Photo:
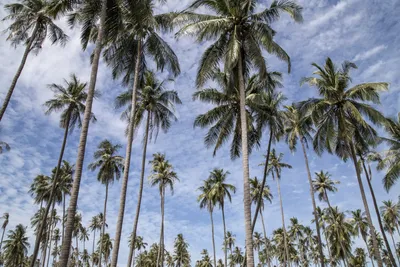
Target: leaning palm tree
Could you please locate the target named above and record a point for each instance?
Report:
(299, 128)
(110, 166)
(155, 105)
(219, 191)
(339, 116)
(241, 35)
(16, 246)
(324, 184)
(275, 167)
(360, 225)
(32, 24)
(5, 217)
(164, 176)
(390, 227)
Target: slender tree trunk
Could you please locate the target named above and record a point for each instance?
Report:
(312, 193)
(394, 245)
(223, 221)
(265, 236)
(327, 243)
(246, 174)
(55, 255)
(135, 224)
(369, 252)
(94, 241)
(19, 71)
(2, 236)
(213, 240)
(103, 227)
(287, 258)
(364, 199)
(378, 215)
(162, 228)
(259, 201)
(159, 246)
(48, 205)
(48, 233)
(52, 225)
(114, 257)
(63, 219)
(327, 201)
(66, 246)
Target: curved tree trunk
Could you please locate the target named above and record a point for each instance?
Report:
(213, 240)
(364, 199)
(265, 236)
(63, 219)
(124, 187)
(285, 238)
(394, 245)
(48, 206)
(103, 227)
(378, 215)
(48, 233)
(94, 241)
(135, 224)
(263, 182)
(245, 162)
(66, 245)
(223, 221)
(52, 225)
(312, 193)
(19, 71)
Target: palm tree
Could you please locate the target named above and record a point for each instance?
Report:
(258, 241)
(339, 119)
(158, 103)
(106, 243)
(360, 227)
(205, 260)
(56, 238)
(275, 167)
(219, 191)
(237, 256)
(65, 186)
(230, 241)
(390, 228)
(96, 224)
(241, 36)
(324, 184)
(181, 256)
(139, 244)
(16, 246)
(84, 236)
(391, 213)
(299, 127)
(32, 24)
(207, 201)
(6, 217)
(164, 176)
(110, 166)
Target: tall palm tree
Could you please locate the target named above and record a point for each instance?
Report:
(275, 167)
(65, 186)
(391, 213)
(339, 118)
(6, 218)
(106, 243)
(127, 54)
(96, 224)
(219, 191)
(324, 184)
(32, 24)
(208, 202)
(241, 35)
(138, 243)
(390, 227)
(164, 176)
(299, 128)
(230, 241)
(360, 227)
(181, 256)
(157, 104)
(16, 246)
(110, 166)
(56, 238)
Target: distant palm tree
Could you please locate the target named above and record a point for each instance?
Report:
(390, 227)
(4, 147)
(65, 186)
(181, 256)
(219, 191)
(106, 243)
(360, 225)
(16, 246)
(230, 241)
(164, 176)
(323, 184)
(5, 217)
(391, 213)
(96, 224)
(32, 24)
(56, 238)
(275, 166)
(340, 117)
(205, 260)
(138, 244)
(110, 166)
(84, 236)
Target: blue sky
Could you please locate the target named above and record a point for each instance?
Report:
(363, 31)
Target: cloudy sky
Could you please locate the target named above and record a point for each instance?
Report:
(363, 31)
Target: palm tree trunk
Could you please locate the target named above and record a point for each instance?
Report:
(369, 252)
(55, 255)
(364, 199)
(265, 235)
(114, 257)
(19, 71)
(259, 201)
(103, 227)
(223, 221)
(394, 245)
(162, 227)
(53, 188)
(2, 236)
(378, 215)
(135, 224)
(48, 233)
(245, 162)
(287, 258)
(213, 240)
(312, 193)
(66, 245)
(327, 243)
(327, 201)
(94, 241)
(159, 246)
(52, 225)
(63, 219)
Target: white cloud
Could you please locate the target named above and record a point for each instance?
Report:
(369, 53)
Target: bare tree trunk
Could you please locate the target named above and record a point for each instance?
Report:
(364, 199)
(135, 224)
(265, 236)
(124, 187)
(2, 236)
(160, 256)
(103, 227)
(312, 193)
(94, 241)
(63, 219)
(52, 225)
(48, 205)
(245, 162)
(48, 233)
(394, 245)
(213, 240)
(223, 221)
(378, 215)
(19, 71)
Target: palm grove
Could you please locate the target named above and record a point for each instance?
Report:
(246, 105)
